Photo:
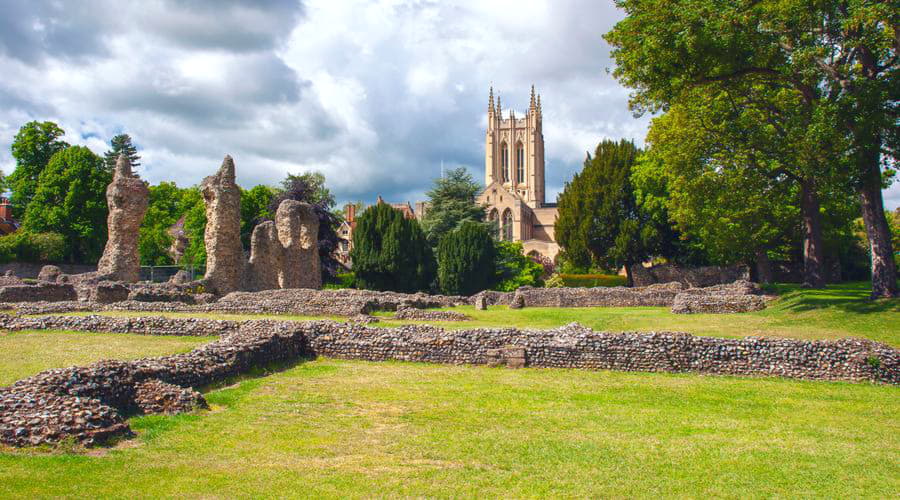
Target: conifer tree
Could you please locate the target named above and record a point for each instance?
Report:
(121, 144)
(390, 252)
(466, 260)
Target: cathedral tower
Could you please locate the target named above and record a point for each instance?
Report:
(514, 151)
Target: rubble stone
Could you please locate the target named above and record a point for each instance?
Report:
(224, 255)
(429, 315)
(284, 253)
(127, 197)
(49, 274)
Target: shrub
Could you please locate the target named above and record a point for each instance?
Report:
(341, 281)
(23, 246)
(466, 260)
(513, 269)
(554, 281)
(390, 252)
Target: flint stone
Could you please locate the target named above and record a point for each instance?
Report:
(224, 255)
(127, 197)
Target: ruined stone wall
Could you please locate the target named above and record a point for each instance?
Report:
(31, 270)
(49, 292)
(127, 198)
(285, 253)
(689, 276)
(224, 255)
(90, 403)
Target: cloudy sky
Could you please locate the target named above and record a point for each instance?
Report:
(374, 94)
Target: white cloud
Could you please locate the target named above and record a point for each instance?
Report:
(374, 94)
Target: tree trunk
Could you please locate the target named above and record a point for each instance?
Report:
(629, 278)
(884, 273)
(813, 248)
(764, 272)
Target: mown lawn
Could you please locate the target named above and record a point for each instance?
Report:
(836, 312)
(26, 353)
(329, 428)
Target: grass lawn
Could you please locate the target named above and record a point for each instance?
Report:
(360, 429)
(26, 353)
(838, 311)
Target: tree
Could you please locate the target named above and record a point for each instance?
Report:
(599, 219)
(255, 208)
(194, 227)
(839, 56)
(451, 202)
(167, 204)
(121, 144)
(390, 252)
(512, 268)
(32, 148)
(309, 187)
(71, 200)
(466, 260)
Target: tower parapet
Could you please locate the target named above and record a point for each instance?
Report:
(514, 150)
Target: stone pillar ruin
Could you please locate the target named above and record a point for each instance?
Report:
(127, 197)
(285, 253)
(224, 255)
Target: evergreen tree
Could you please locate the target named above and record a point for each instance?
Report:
(71, 200)
(390, 252)
(32, 148)
(121, 144)
(451, 202)
(599, 219)
(466, 260)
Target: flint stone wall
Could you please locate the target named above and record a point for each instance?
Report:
(426, 315)
(90, 403)
(224, 255)
(48, 292)
(127, 197)
(31, 270)
(697, 277)
(284, 253)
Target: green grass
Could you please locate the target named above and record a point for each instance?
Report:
(26, 353)
(331, 428)
(837, 312)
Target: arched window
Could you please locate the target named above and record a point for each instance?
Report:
(507, 225)
(504, 161)
(520, 163)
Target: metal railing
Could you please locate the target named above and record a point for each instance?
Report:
(159, 274)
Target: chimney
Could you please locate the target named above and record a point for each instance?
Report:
(5, 209)
(350, 212)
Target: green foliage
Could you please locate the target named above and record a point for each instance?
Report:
(23, 246)
(71, 200)
(121, 144)
(194, 228)
(599, 219)
(451, 203)
(466, 260)
(308, 187)
(592, 280)
(390, 252)
(554, 281)
(32, 148)
(513, 269)
(255, 209)
(167, 204)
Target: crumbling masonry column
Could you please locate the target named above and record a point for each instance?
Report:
(224, 257)
(285, 253)
(127, 198)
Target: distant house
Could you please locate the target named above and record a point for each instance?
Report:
(7, 223)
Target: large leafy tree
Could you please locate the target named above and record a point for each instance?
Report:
(451, 202)
(32, 148)
(390, 252)
(71, 200)
(121, 144)
(839, 56)
(168, 203)
(255, 208)
(599, 219)
(466, 260)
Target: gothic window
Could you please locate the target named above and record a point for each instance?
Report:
(504, 161)
(520, 163)
(507, 225)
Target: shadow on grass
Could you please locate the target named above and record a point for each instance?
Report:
(846, 297)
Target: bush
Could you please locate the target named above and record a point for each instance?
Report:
(554, 281)
(466, 260)
(513, 269)
(592, 280)
(390, 252)
(341, 281)
(23, 246)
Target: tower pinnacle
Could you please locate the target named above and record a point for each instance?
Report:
(491, 101)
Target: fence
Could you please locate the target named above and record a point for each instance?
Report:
(159, 274)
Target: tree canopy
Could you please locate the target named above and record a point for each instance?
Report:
(121, 144)
(466, 260)
(71, 200)
(451, 202)
(32, 148)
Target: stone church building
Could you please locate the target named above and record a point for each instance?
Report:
(514, 178)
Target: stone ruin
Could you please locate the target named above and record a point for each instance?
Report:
(224, 254)
(127, 197)
(284, 253)
(91, 403)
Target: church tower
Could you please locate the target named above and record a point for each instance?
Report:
(514, 150)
